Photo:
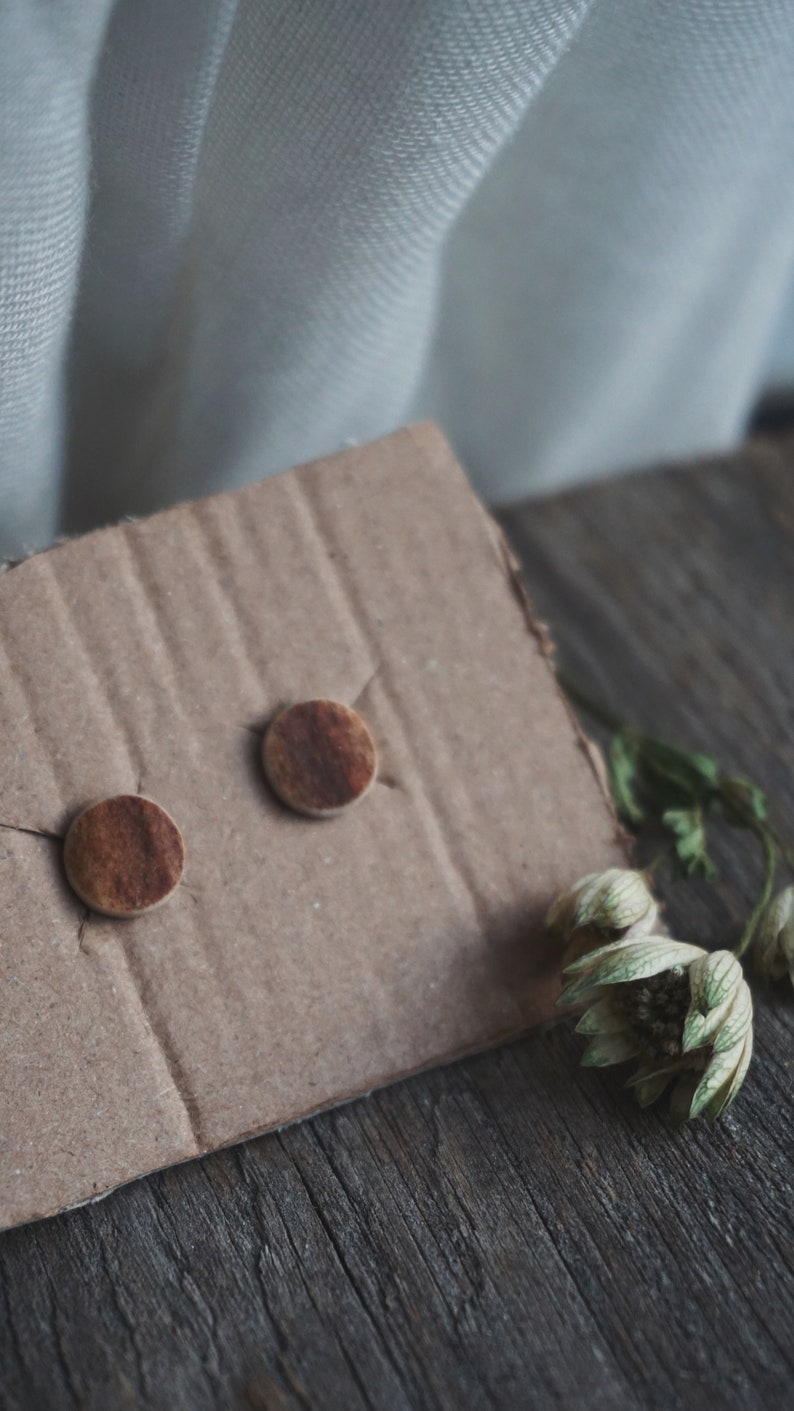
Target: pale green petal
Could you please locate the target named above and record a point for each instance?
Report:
(603, 1017)
(718, 1074)
(580, 943)
(723, 1100)
(640, 959)
(681, 1099)
(698, 1029)
(614, 901)
(775, 968)
(589, 961)
(657, 952)
(774, 942)
(787, 940)
(579, 992)
(560, 914)
(625, 960)
(650, 1081)
(649, 1089)
(771, 964)
(622, 899)
(586, 894)
(609, 1048)
(697, 984)
(650, 1069)
(647, 925)
(778, 911)
(714, 979)
(720, 1078)
(738, 1020)
(717, 985)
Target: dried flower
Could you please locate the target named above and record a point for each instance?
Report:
(609, 903)
(774, 942)
(685, 1014)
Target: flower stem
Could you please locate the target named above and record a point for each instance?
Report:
(653, 781)
(769, 846)
(785, 851)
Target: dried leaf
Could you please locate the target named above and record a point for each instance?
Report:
(624, 778)
(674, 777)
(743, 803)
(688, 827)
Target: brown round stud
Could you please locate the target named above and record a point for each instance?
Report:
(124, 855)
(319, 757)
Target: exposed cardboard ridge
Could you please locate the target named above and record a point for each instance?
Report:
(332, 567)
(223, 601)
(164, 1054)
(428, 802)
(145, 608)
(162, 1042)
(96, 689)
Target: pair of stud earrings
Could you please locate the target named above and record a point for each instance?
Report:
(125, 855)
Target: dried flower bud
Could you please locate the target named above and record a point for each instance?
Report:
(685, 1014)
(720, 1024)
(608, 905)
(774, 942)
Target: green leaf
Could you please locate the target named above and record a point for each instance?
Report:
(623, 777)
(674, 777)
(688, 829)
(743, 803)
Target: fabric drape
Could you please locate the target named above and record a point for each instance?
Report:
(236, 234)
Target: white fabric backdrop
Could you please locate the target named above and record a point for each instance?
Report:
(238, 233)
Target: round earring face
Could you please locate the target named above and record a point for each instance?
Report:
(319, 757)
(124, 855)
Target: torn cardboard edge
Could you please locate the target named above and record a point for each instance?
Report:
(303, 963)
(542, 634)
(345, 1100)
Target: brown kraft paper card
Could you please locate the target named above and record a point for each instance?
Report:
(299, 962)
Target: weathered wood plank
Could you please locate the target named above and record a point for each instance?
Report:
(509, 1232)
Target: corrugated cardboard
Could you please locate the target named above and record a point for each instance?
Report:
(300, 962)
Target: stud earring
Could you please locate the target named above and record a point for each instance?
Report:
(319, 757)
(124, 855)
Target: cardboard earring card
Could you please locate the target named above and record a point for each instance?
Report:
(300, 961)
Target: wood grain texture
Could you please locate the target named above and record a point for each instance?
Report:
(509, 1232)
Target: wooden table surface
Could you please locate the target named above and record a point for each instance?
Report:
(509, 1232)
